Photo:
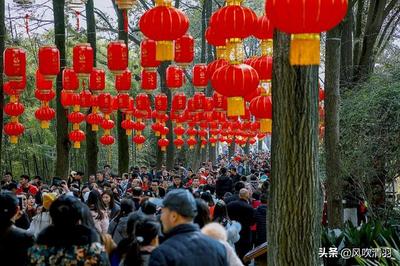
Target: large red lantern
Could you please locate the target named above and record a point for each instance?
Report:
(200, 78)
(148, 55)
(215, 39)
(97, 81)
(14, 130)
(306, 20)
(45, 115)
(235, 82)
(83, 59)
(214, 65)
(77, 136)
(164, 24)
(49, 61)
(265, 32)
(149, 80)
(123, 81)
(261, 108)
(117, 57)
(105, 102)
(14, 63)
(174, 77)
(184, 50)
(70, 79)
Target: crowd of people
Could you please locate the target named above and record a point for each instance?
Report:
(212, 216)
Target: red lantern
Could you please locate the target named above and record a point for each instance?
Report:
(97, 81)
(123, 81)
(45, 115)
(105, 102)
(49, 61)
(123, 102)
(66, 98)
(107, 124)
(149, 80)
(46, 96)
(200, 78)
(254, 94)
(128, 125)
(178, 102)
(107, 140)
(164, 24)
(305, 20)
(117, 57)
(142, 102)
(174, 77)
(220, 102)
(42, 83)
(77, 136)
(139, 140)
(235, 82)
(265, 32)
(179, 131)
(14, 63)
(215, 39)
(214, 65)
(208, 104)
(9, 90)
(261, 108)
(75, 118)
(198, 100)
(191, 143)
(139, 127)
(161, 102)
(85, 99)
(164, 131)
(70, 79)
(18, 85)
(95, 120)
(163, 144)
(321, 94)
(184, 50)
(14, 130)
(179, 143)
(14, 109)
(83, 59)
(263, 66)
(148, 55)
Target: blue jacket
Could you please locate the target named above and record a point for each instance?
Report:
(185, 245)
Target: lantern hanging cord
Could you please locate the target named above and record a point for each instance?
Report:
(27, 23)
(125, 15)
(77, 13)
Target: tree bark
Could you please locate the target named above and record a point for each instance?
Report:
(346, 53)
(295, 207)
(2, 45)
(123, 145)
(332, 99)
(63, 144)
(92, 149)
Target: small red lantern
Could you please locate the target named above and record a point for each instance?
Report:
(321, 94)
(105, 102)
(139, 140)
(107, 140)
(18, 85)
(45, 115)
(14, 109)
(178, 102)
(163, 144)
(42, 83)
(77, 136)
(148, 55)
(123, 101)
(95, 120)
(142, 102)
(149, 80)
(97, 81)
(49, 61)
(179, 143)
(261, 108)
(14, 63)
(46, 96)
(70, 79)
(128, 125)
(161, 102)
(123, 81)
(117, 57)
(85, 100)
(164, 24)
(220, 102)
(184, 50)
(200, 78)
(75, 118)
(14, 130)
(83, 59)
(191, 143)
(174, 77)
(198, 100)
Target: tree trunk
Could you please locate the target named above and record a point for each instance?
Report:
(92, 149)
(346, 54)
(332, 99)
(63, 144)
(123, 145)
(2, 45)
(294, 206)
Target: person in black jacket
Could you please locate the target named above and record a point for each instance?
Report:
(261, 220)
(241, 211)
(224, 183)
(184, 244)
(14, 242)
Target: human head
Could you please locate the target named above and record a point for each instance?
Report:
(8, 177)
(92, 179)
(196, 182)
(177, 180)
(244, 194)
(8, 208)
(79, 175)
(207, 197)
(154, 184)
(66, 211)
(264, 198)
(179, 207)
(220, 211)
(108, 198)
(222, 171)
(127, 206)
(203, 213)
(233, 171)
(100, 176)
(24, 180)
(239, 185)
(137, 192)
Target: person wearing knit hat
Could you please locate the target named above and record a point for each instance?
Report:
(43, 219)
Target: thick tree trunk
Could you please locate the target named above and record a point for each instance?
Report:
(346, 53)
(294, 206)
(92, 148)
(2, 45)
(123, 145)
(332, 99)
(63, 144)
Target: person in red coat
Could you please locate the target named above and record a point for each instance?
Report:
(26, 187)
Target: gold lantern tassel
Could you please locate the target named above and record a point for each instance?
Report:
(139, 146)
(77, 145)
(267, 47)
(265, 125)
(165, 50)
(235, 106)
(13, 139)
(221, 52)
(44, 124)
(304, 49)
(95, 127)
